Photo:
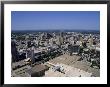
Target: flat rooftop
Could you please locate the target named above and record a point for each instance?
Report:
(72, 61)
(65, 59)
(69, 72)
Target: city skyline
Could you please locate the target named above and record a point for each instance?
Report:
(55, 20)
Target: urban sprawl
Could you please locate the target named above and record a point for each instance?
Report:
(55, 54)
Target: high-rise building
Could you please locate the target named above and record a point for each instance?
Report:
(51, 41)
(90, 40)
(14, 52)
(32, 56)
(81, 39)
(61, 39)
(37, 41)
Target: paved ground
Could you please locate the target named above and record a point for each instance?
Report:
(73, 62)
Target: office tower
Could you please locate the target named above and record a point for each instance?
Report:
(32, 56)
(81, 39)
(51, 41)
(26, 38)
(61, 34)
(84, 44)
(37, 41)
(14, 52)
(61, 39)
(73, 49)
(28, 44)
(42, 37)
(90, 41)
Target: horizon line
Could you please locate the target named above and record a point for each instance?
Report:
(54, 29)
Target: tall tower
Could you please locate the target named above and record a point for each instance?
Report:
(90, 40)
(37, 41)
(32, 55)
(61, 38)
(14, 52)
(51, 41)
(81, 40)
(26, 38)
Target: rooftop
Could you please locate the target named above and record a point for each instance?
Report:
(72, 62)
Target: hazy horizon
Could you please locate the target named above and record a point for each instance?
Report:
(57, 30)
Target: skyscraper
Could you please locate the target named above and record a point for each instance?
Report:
(14, 52)
(61, 39)
(90, 40)
(32, 56)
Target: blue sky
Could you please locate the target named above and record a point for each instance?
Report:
(41, 20)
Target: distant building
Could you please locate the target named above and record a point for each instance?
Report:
(81, 39)
(51, 41)
(84, 44)
(48, 36)
(90, 40)
(60, 40)
(37, 41)
(73, 49)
